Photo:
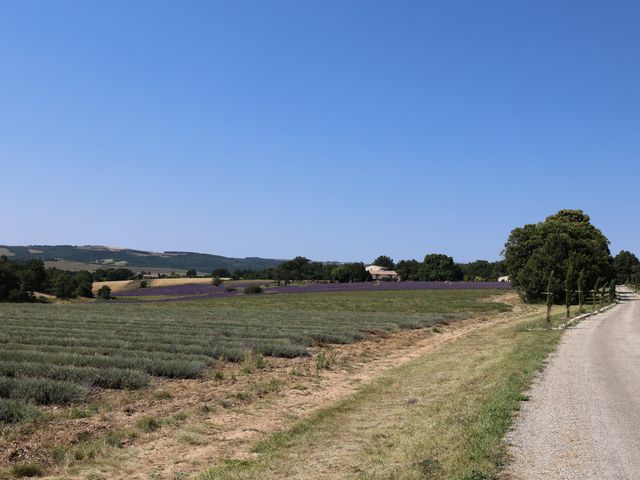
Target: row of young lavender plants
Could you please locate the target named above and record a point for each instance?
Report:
(199, 292)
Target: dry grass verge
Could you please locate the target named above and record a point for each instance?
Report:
(440, 416)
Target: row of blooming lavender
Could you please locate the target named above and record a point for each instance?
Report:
(188, 289)
(198, 292)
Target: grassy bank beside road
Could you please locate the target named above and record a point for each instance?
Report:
(441, 416)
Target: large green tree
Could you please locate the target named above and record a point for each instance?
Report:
(481, 270)
(9, 280)
(384, 261)
(439, 267)
(568, 237)
(350, 272)
(408, 269)
(626, 265)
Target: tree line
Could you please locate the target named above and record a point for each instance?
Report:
(434, 267)
(564, 259)
(20, 280)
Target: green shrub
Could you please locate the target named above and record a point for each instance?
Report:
(115, 438)
(322, 363)
(248, 364)
(12, 411)
(41, 390)
(23, 470)
(104, 292)
(148, 424)
(106, 378)
(253, 290)
(476, 475)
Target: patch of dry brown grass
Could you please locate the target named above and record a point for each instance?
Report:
(116, 285)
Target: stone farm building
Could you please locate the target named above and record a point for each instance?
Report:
(381, 273)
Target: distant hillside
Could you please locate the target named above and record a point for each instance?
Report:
(74, 257)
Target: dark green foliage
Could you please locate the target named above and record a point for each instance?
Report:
(300, 268)
(612, 291)
(439, 267)
(191, 274)
(32, 276)
(582, 285)
(104, 292)
(549, 294)
(626, 265)
(64, 287)
(350, 272)
(482, 270)
(476, 475)
(253, 290)
(148, 424)
(113, 274)
(534, 250)
(84, 284)
(221, 272)
(18, 281)
(9, 280)
(596, 291)
(216, 282)
(384, 261)
(568, 288)
(26, 470)
(408, 269)
(436, 267)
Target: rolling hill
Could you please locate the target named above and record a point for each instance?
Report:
(91, 257)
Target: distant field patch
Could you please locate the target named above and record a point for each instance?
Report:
(199, 291)
(116, 285)
(35, 251)
(91, 267)
(53, 354)
(170, 282)
(6, 252)
(161, 285)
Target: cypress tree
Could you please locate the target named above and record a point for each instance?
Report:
(595, 293)
(568, 289)
(612, 291)
(549, 293)
(581, 286)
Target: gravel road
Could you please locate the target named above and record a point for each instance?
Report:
(583, 417)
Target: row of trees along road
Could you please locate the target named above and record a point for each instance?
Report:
(564, 255)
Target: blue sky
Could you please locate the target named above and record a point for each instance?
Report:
(338, 130)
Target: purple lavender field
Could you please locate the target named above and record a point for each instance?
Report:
(199, 292)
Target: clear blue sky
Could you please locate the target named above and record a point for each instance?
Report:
(338, 130)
